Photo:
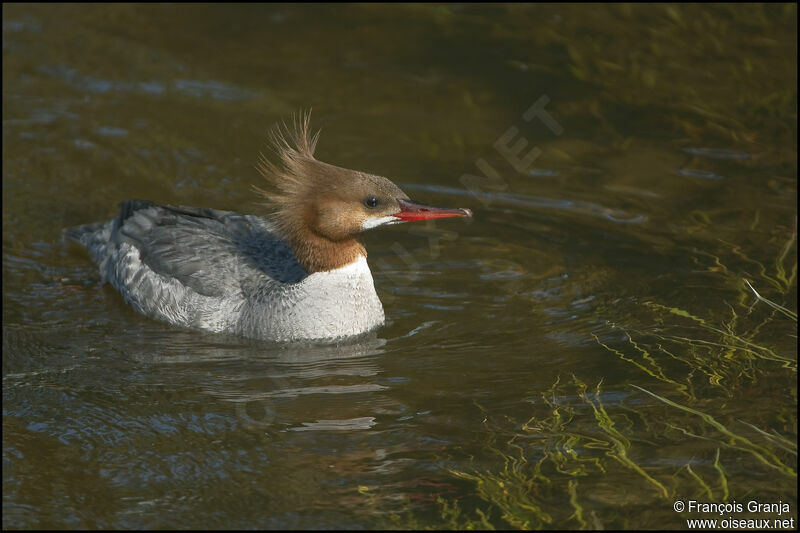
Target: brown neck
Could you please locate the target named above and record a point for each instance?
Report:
(319, 254)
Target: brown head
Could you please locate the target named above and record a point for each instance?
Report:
(320, 209)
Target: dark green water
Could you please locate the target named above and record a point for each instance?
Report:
(582, 354)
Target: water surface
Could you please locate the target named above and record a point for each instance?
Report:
(581, 354)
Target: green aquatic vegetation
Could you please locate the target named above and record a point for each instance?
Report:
(451, 517)
(673, 425)
(730, 341)
(554, 468)
(723, 480)
(733, 440)
(455, 519)
(776, 439)
(619, 443)
(782, 309)
(644, 361)
(732, 344)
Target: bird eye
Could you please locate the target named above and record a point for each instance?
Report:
(371, 202)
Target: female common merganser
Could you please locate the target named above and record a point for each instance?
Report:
(300, 274)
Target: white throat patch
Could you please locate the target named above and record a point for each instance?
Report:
(374, 222)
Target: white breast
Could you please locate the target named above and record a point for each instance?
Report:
(336, 303)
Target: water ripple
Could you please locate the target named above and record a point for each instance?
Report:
(214, 90)
(716, 153)
(543, 172)
(364, 422)
(698, 173)
(536, 202)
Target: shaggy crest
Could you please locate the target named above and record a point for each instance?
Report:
(300, 186)
(294, 145)
(321, 209)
